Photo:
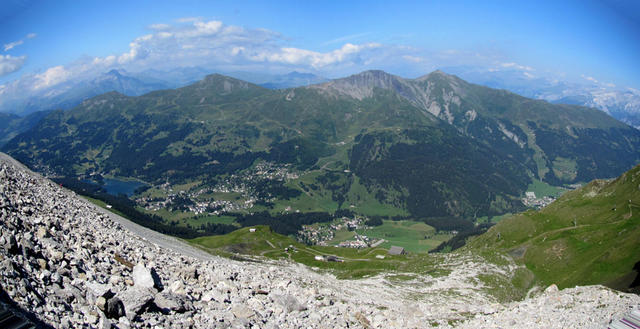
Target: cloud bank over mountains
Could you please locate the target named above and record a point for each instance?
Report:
(213, 46)
(194, 42)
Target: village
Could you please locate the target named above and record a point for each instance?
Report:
(323, 233)
(530, 200)
(201, 200)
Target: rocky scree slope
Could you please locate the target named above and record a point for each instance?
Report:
(74, 266)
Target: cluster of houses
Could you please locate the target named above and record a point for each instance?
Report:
(530, 200)
(321, 234)
(241, 184)
(213, 207)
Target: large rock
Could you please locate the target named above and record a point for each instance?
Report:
(168, 301)
(9, 243)
(135, 300)
(95, 290)
(242, 312)
(288, 302)
(146, 278)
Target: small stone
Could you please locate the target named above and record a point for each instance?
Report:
(101, 303)
(124, 323)
(212, 294)
(10, 243)
(99, 290)
(551, 289)
(42, 263)
(41, 233)
(114, 309)
(91, 318)
(177, 287)
(242, 312)
(114, 280)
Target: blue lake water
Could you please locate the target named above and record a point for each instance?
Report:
(115, 186)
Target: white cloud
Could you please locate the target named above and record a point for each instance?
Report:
(198, 42)
(314, 59)
(159, 27)
(10, 64)
(414, 59)
(188, 19)
(50, 77)
(588, 78)
(516, 66)
(212, 45)
(345, 38)
(11, 45)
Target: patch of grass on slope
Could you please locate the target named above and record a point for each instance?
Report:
(413, 236)
(588, 236)
(357, 262)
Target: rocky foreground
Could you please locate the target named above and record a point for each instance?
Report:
(73, 265)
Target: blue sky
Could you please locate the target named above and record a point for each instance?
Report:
(43, 43)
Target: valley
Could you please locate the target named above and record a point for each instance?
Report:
(339, 164)
(362, 288)
(223, 153)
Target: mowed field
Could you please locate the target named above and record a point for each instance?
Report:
(413, 236)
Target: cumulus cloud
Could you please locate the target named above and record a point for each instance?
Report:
(314, 59)
(193, 41)
(216, 46)
(50, 77)
(10, 64)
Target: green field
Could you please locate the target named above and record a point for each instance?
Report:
(340, 236)
(197, 221)
(357, 262)
(413, 236)
(543, 189)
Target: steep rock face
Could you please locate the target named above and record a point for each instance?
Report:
(75, 266)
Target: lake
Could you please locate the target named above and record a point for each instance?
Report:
(116, 186)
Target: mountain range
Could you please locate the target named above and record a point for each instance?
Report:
(433, 146)
(72, 92)
(621, 103)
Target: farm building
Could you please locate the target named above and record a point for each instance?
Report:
(395, 250)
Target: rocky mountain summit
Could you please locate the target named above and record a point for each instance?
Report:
(74, 265)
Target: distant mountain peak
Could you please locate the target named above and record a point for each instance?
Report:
(361, 85)
(222, 84)
(115, 72)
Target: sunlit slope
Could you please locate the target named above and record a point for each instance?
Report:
(588, 236)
